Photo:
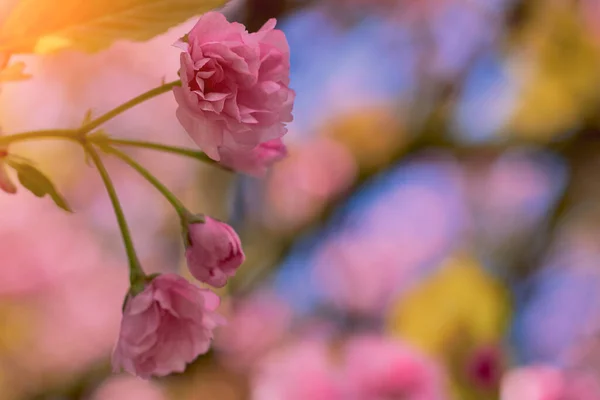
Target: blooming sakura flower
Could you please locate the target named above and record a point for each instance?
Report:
(214, 252)
(254, 162)
(234, 85)
(165, 327)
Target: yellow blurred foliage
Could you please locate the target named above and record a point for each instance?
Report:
(50, 44)
(372, 135)
(562, 76)
(45, 26)
(460, 299)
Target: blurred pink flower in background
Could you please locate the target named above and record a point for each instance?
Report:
(165, 327)
(416, 218)
(361, 368)
(54, 265)
(214, 252)
(300, 371)
(508, 193)
(366, 267)
(257, 161)
(128, 388)
(234, 90)
(378, 369)
(590, 12)
(254, 326)
(75, 322)
(42, 245)
(360, 274)
(301, 184)
(549, 383)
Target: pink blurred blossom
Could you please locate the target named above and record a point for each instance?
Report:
(379, 369)
(418, 218)
(165, 327)
(254, 326)
(234, 90)
(590, 12)
(214, 252)
(257, 161)
(73, 325)
(128, 388)
(298, 372)
(301, 184)
(360, 275)
(41, 245)
(548, 383)
(507, 194)
(364, 270)
(361, 368)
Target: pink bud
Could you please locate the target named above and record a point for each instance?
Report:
(165, 327)
(214, 252)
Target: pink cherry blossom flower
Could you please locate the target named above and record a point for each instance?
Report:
(234, 85)
(214, 252)
(380, 368)
(257, 161)
(543, 382)
(165, 327)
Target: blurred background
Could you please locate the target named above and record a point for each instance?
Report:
(436, 224)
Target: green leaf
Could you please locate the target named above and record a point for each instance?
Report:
(37, 183)
(14, 72)
(45, 26)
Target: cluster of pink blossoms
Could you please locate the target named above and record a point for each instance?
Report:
(234, 101)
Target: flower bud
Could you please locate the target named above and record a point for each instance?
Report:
(214, 252)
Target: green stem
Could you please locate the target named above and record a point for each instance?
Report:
(65, 134)
(78, 134)
(136, 274)
(182, 211)
(126, 106)
(196, 154)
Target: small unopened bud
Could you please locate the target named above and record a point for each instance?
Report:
(214, 251)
